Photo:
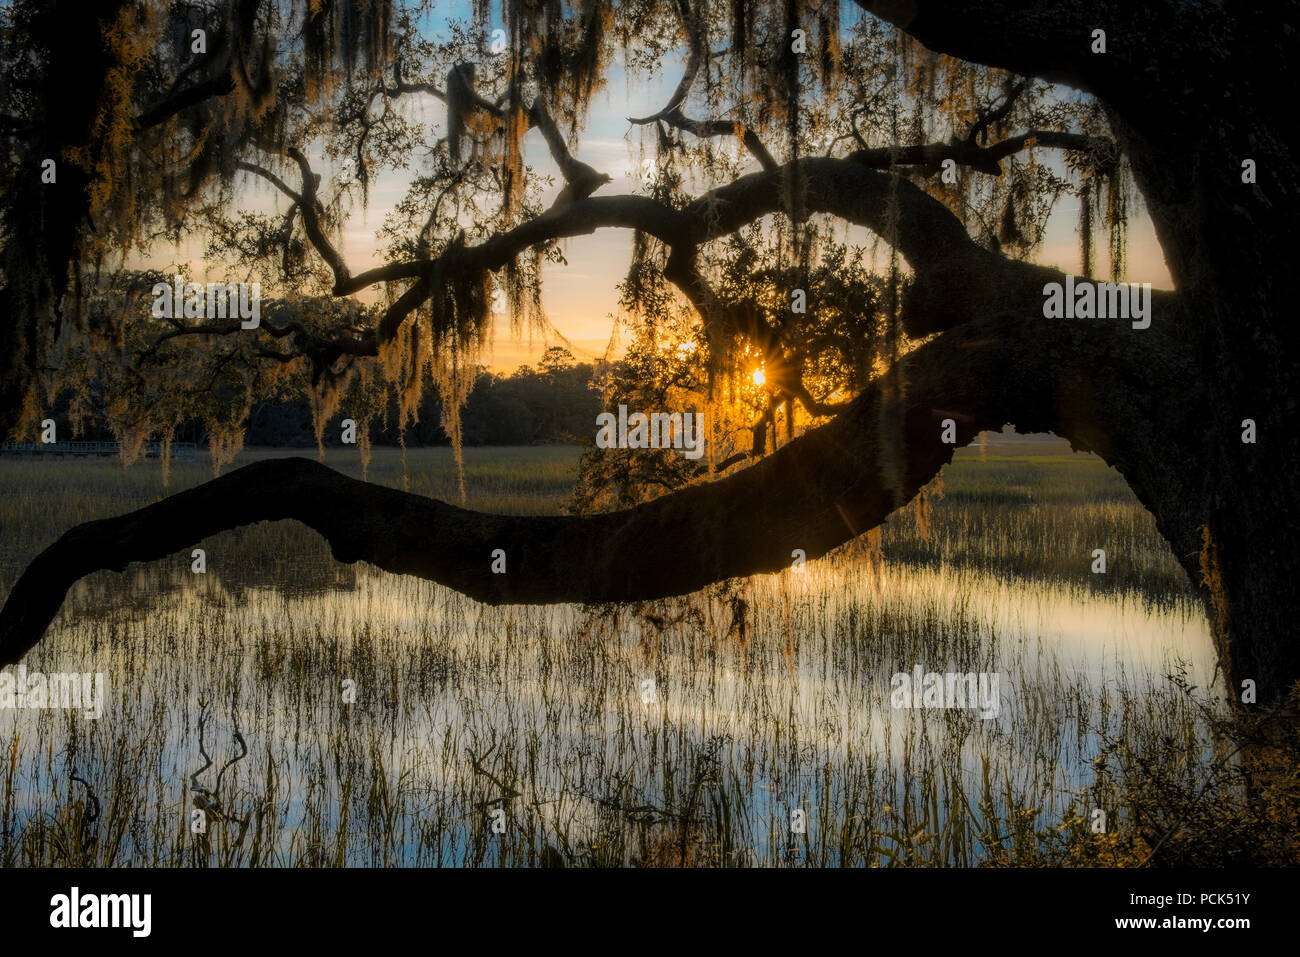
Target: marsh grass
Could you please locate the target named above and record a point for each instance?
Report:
(771, 694)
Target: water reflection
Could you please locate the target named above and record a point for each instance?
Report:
(465, 709)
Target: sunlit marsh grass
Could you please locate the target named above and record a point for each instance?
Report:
(769, 696)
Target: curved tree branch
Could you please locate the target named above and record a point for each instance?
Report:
(709, 128)
(955, 279)
(1084, 380)
(310, 209)
(697, 38)
(1050, 39)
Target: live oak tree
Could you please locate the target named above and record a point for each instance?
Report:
(894, 162)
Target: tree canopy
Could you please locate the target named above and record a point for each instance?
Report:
(837, 223)
(201, 101)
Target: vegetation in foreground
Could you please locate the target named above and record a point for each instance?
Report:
(767, 699)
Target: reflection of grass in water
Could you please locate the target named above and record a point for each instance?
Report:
(1032, 511)
(462, 710)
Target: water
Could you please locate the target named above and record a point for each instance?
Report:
(458, 706)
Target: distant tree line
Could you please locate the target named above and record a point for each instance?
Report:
(552, 402)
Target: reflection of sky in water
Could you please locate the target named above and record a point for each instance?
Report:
(1081, 629)
(441, 675)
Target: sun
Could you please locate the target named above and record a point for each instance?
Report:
(759, 376)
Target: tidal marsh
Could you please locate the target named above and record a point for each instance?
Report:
(682, 732)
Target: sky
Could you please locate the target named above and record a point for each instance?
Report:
(581, 298)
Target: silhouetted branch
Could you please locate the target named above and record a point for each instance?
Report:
(710, 128)
(697, 40)
(983, 159)
(979, 129)
(1086, 381)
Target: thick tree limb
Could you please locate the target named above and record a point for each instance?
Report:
(1085, 380)
(309, 207)
(1050, 39)
(955, 279)
(1187, 89)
